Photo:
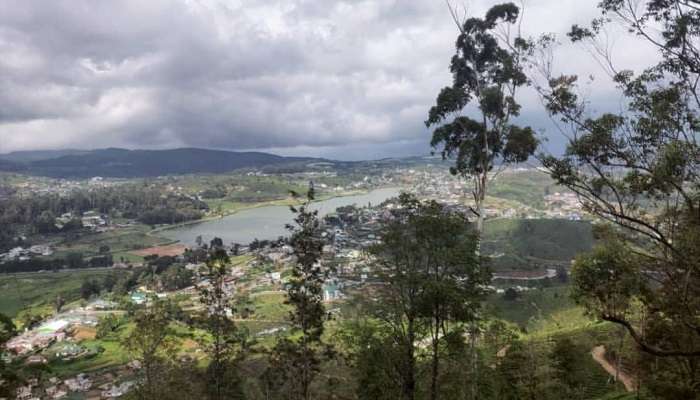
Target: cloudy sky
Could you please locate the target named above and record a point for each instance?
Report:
(348, 79)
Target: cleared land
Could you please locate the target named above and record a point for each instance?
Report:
(161, 251)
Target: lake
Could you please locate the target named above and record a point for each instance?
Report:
(266, 222)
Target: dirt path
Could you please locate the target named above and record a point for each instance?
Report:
(598, 354)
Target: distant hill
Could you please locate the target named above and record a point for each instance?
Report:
(122, 163)
(36, 155)
(11, 166)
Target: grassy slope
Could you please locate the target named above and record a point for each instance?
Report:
(527, 187)
(549, 314)
(35, 289)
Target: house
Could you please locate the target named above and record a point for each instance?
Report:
(91, 219)
(36, 359)
(78, 384)
(101, 305)
(39, 249)
(118, 390)
(24, 392)
(275, 277)
(55, 392)
(138, 298)
(331, 291)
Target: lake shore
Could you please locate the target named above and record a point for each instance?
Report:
(289, 201)
(265, 220)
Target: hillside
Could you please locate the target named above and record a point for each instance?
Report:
(122, 163)
(533, 243)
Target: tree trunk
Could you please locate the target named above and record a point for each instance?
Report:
(409, 381)
(435, 363)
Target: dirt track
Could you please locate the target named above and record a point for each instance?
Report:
(598, 354)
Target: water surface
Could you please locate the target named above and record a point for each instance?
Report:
(265, 222)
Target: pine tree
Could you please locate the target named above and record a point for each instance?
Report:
(226, 343)
(295, 360)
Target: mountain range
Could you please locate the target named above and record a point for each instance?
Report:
(123, 163)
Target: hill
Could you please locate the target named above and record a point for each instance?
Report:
(122, 163)
(36, 155)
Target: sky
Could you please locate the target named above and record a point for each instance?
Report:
(348, 80)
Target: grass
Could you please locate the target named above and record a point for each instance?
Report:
(531, 307)
(120, 242)
(112, 355)
(36, 289)
(270, 307)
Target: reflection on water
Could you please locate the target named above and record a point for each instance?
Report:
(266, 222)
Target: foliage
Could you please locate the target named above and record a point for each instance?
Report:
(227, 342)
(89, 288)
(8, 378)
(486, 72)
(434, 284)
(153, 345)
(295, 361)
(638, 169)
(108, 325)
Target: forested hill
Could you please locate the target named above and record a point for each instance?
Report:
(122, 163)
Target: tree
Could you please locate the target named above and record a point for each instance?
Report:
(227, 343)
(8, 379)
(89, 288)
(373, 357)
(176, 277)
(486, 72)
(152, 344)
(511, 294)
(107, 325)
(434, 283)
(46, 222)
(295, 360)
(58, 303)
(109, 281)
(638, 170)
(75, 260)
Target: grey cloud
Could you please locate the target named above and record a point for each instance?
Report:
(295, 75)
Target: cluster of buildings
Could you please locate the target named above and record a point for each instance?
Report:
(89, 219)
(94, 387)
(56, 329)
(32, 186)
(563, 205)
(23, 254)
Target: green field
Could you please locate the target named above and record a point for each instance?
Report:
(526, 187)
(37, 289)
